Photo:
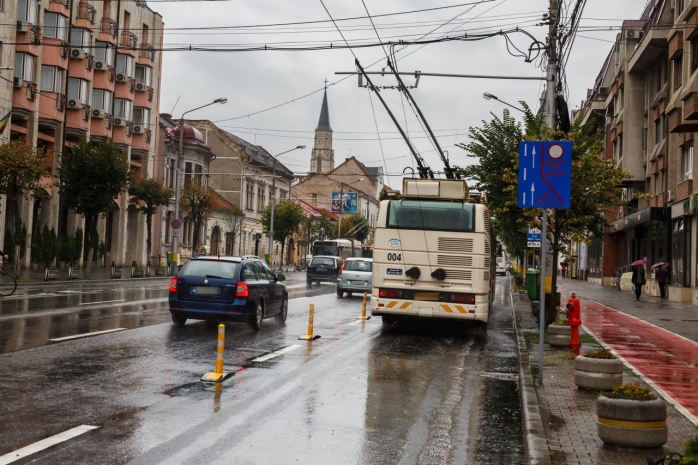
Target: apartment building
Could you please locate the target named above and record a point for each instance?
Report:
(646, 102)
(83, 69)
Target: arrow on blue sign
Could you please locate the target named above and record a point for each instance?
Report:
(545, 174)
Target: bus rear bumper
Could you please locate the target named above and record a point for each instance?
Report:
(477, 312)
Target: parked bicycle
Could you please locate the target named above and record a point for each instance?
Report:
(8, 283)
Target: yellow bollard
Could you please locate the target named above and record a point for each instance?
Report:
(309, 336)
(218, 375)
(363, 311)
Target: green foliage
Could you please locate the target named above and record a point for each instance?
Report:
(288, 216)
(70, 247)
(355, 226)
(318, 229)
(45, 245)
(101, 251)
(146, 196)
(560, 323)
(91, 175)
(21, 239)
(690, 451)
(199, 203)
(631, 391)
(603, 353)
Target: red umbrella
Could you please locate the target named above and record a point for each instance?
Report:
(659, 265)
(639, 262)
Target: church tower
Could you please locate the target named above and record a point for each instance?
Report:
(322, 157)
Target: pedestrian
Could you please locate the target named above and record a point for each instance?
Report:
(662, 276)
(638, 280)
(563, 268)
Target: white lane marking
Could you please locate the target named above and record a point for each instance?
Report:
(355, 322)
(264, 358)
(103, 302)
(45, 444)
(77, 336)
(298, 298)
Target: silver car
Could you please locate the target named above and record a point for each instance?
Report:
(355, 275)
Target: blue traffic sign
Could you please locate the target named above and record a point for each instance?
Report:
(545, 174)
(534, 235)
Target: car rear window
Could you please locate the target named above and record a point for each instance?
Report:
(210, 269)
(358, 265)
(322, 261)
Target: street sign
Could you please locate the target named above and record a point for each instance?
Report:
(174, 233)
(545, 173)
(176, 223)
(533, 244)
(534, 234)
(349, 202)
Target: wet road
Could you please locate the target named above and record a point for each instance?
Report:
(364, 393)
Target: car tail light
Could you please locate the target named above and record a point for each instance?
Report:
(242, 290)
(173, 285)
(388, 293)
(464, 298)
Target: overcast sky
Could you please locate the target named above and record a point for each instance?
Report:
(254, 81)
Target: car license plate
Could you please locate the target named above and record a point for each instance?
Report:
(322, 270)
(357, 283)
(205, 290)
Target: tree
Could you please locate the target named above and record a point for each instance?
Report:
(355, 226)
(92, 174)
(22, 167)
(316, 229)
(233, 222)
(147, 195)
(200, 203)
(595, 185)
(288, 216)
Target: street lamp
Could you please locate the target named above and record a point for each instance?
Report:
(180, 157)
(488, 96)
(341, 206)
(273, 199)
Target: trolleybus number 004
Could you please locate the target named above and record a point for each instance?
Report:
(395, 257)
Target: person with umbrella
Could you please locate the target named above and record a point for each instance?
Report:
(638, 278)
(662, 276)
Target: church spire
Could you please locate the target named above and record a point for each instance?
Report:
(324, 123)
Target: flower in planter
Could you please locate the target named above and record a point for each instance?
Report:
(631, 391)
(603, 353)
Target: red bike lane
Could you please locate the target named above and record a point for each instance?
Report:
(666, 360)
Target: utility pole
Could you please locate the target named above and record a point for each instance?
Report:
(551, 108)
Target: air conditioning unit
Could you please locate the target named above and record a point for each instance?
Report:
(141, 87)
(77, 53)
(630, 33)
(138, 129)
(22, 26)
(18, 82)
(98, 113)
(670, 195)
(119, 122)
(100, 66)
(604, 90)
(74, 104)
(121, 77)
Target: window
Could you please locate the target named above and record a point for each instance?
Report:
(318, 165)
(122, 108)
(249, 195)
(187, 172)
(680, 251)
(283, 194)
(221, 269)
(52, 79)
(124, 64)
(27, 11)
(101, 99)
(55, 26)
(104, 52)
(678, 72)
(24, 66)
(77, 90)
(144, 74)
(658, 130)
(198, 174)
(141, 115)
(687, 162)
(171, 173)
(81, 38)
(261, 197)
(429, 214)
(261, 272)
(248, 273)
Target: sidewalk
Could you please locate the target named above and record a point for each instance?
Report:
(560, 420)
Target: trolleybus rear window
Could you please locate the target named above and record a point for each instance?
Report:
(431, 215)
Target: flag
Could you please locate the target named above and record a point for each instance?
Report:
(5, 121)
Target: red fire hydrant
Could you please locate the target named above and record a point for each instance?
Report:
(574, 320)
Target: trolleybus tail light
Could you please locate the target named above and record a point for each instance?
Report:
(242, 290)
(464, 298)
(388, 293)
(173, 285)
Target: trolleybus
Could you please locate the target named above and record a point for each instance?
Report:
(433, 253)
(344, 248)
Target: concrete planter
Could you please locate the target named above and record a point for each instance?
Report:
(558, 336)
(632, 423)
(598, 374)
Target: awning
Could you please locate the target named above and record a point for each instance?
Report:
(642, 216)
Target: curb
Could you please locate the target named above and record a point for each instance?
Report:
(535, 442)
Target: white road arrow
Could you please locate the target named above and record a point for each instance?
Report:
(533, 190)
(534, 157)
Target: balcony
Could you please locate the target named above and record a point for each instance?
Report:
(148, 52)
(685, 138)
(86, 11)
(676, 45)
(618, 83)
(65, 3)
(676, 123)
(108, 26)
(658, 164)
(692, 25)
(129, 39)
(690, 106)
(684, 189)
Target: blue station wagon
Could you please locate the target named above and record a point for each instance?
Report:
(227, 289)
